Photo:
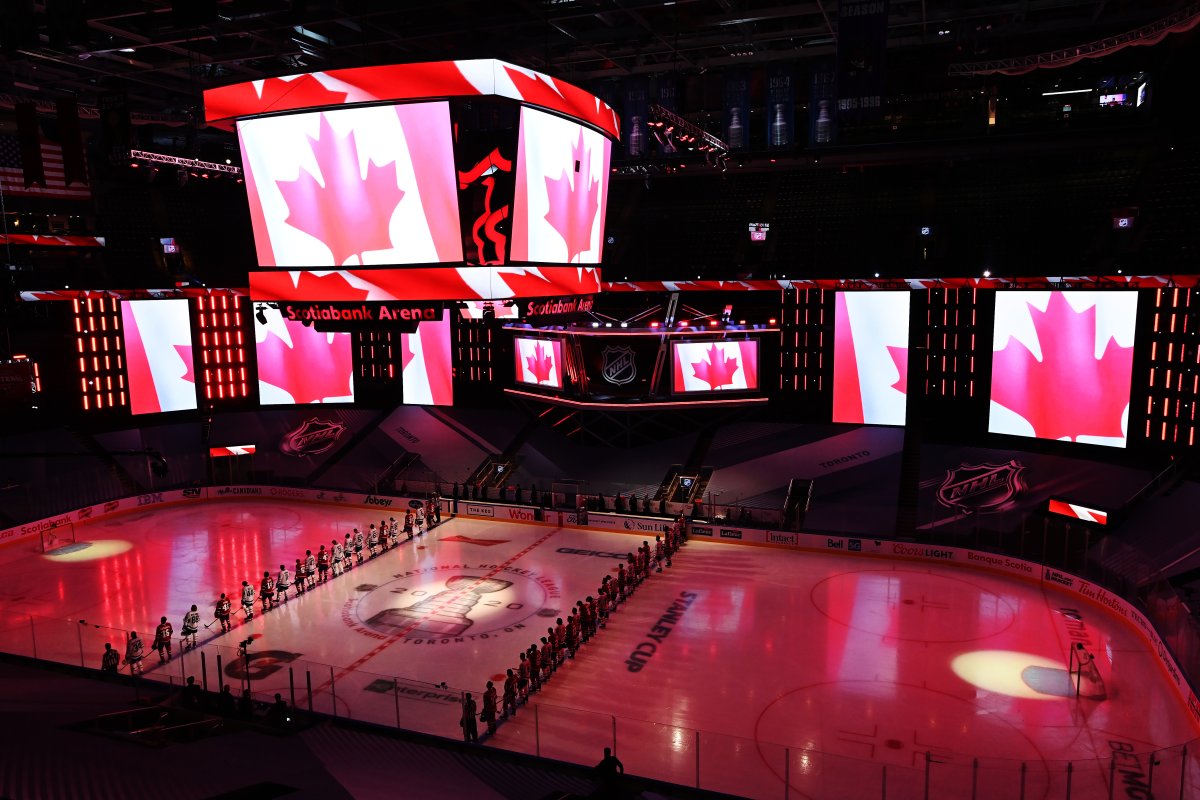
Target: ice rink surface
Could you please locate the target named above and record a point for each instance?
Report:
(745, 666)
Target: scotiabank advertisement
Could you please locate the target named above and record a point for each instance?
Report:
(353, 186)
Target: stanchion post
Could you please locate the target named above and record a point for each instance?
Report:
(79, 633)
(787, 773)
(697, 759)
(974, 778)
(1182, 771)
(883, 788)
(292, 685)
(396, 694)
(333, 690)
(308, 688)
(1070, 772)
(614, 727)
(1150, 773)
(537, 733)
(1024, 766)
(928, 761)
(204, 671)
(220, 674)
(33, 635)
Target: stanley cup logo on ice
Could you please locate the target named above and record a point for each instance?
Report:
(444, 614)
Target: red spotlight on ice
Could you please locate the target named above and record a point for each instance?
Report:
(653, 324)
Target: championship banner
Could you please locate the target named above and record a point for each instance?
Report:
(781, 106)
(822, 114)
(636, 116)
(666, 92)
(737, 109)
(861, 46)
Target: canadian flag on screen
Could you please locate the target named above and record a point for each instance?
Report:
(715, 366)
(158, 345)
(538, 362)
(355, 186)
(870, 357)
(426, 374)
(562, 184)
(298, 364)
(1061, 365)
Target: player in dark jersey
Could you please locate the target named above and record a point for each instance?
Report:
(266, 591)
(162, 640)
(222, 612)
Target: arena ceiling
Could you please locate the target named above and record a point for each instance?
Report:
(163, 54)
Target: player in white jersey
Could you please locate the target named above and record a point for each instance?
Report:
(336, 548)
(419, 520)
(394, 532)
(283, 582)
(359, 540)
(191, 626)
(373, 540)
(134, 652)
(310, 569)
(348, 548)
(248, 599)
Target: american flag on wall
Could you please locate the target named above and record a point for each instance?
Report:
(12, 178)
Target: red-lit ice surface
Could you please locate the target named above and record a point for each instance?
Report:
(737, 668)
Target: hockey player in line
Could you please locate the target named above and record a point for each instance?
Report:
(419, 522)
(383, 535)
(283, 582)
(348, 557)
(222, 613)
(162, 640)
(300, 583)
(336, 549)
(359, 540)
(394, 532)
(266, 591)
(111, 660)
(191, 626)
(322, 565)
(373, 540)
(134, 653)
(310, 569)
(409, 523)
(248, 599)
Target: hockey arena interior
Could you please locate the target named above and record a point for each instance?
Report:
(599, 398)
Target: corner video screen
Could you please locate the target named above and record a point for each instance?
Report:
(158, 352)
(714, 366)
(562, 188)
(426, 375)
(298, 365)
(353, 186)
(1062, 364)
(539, 362)
(870, 357)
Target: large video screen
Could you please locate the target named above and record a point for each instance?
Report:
(539, 362)
(562, 187)
(158, 352)
(298, 365)
(870, 357)
(1061, 365)
(715, 366)
(427, 376)
(353, 187)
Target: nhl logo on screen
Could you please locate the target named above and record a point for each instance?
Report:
(314, 436)
(981, 487)
(619, 366)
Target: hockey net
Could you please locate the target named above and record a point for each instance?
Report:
(56, 537)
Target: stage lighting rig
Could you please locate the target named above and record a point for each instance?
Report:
(677, 135)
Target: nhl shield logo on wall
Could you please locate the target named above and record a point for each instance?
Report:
(619, 366)
(313, 437)
(981, 487)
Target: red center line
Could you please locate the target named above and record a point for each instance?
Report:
(354, 665)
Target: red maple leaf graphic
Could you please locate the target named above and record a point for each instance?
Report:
(330, 286)
(900, 359)
(717, 370)
(185, 352)
(573, 206)
(1069, 392)
(243, 99)
(350, 214)
(540, 364)
(406, 353)
(312, 368)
